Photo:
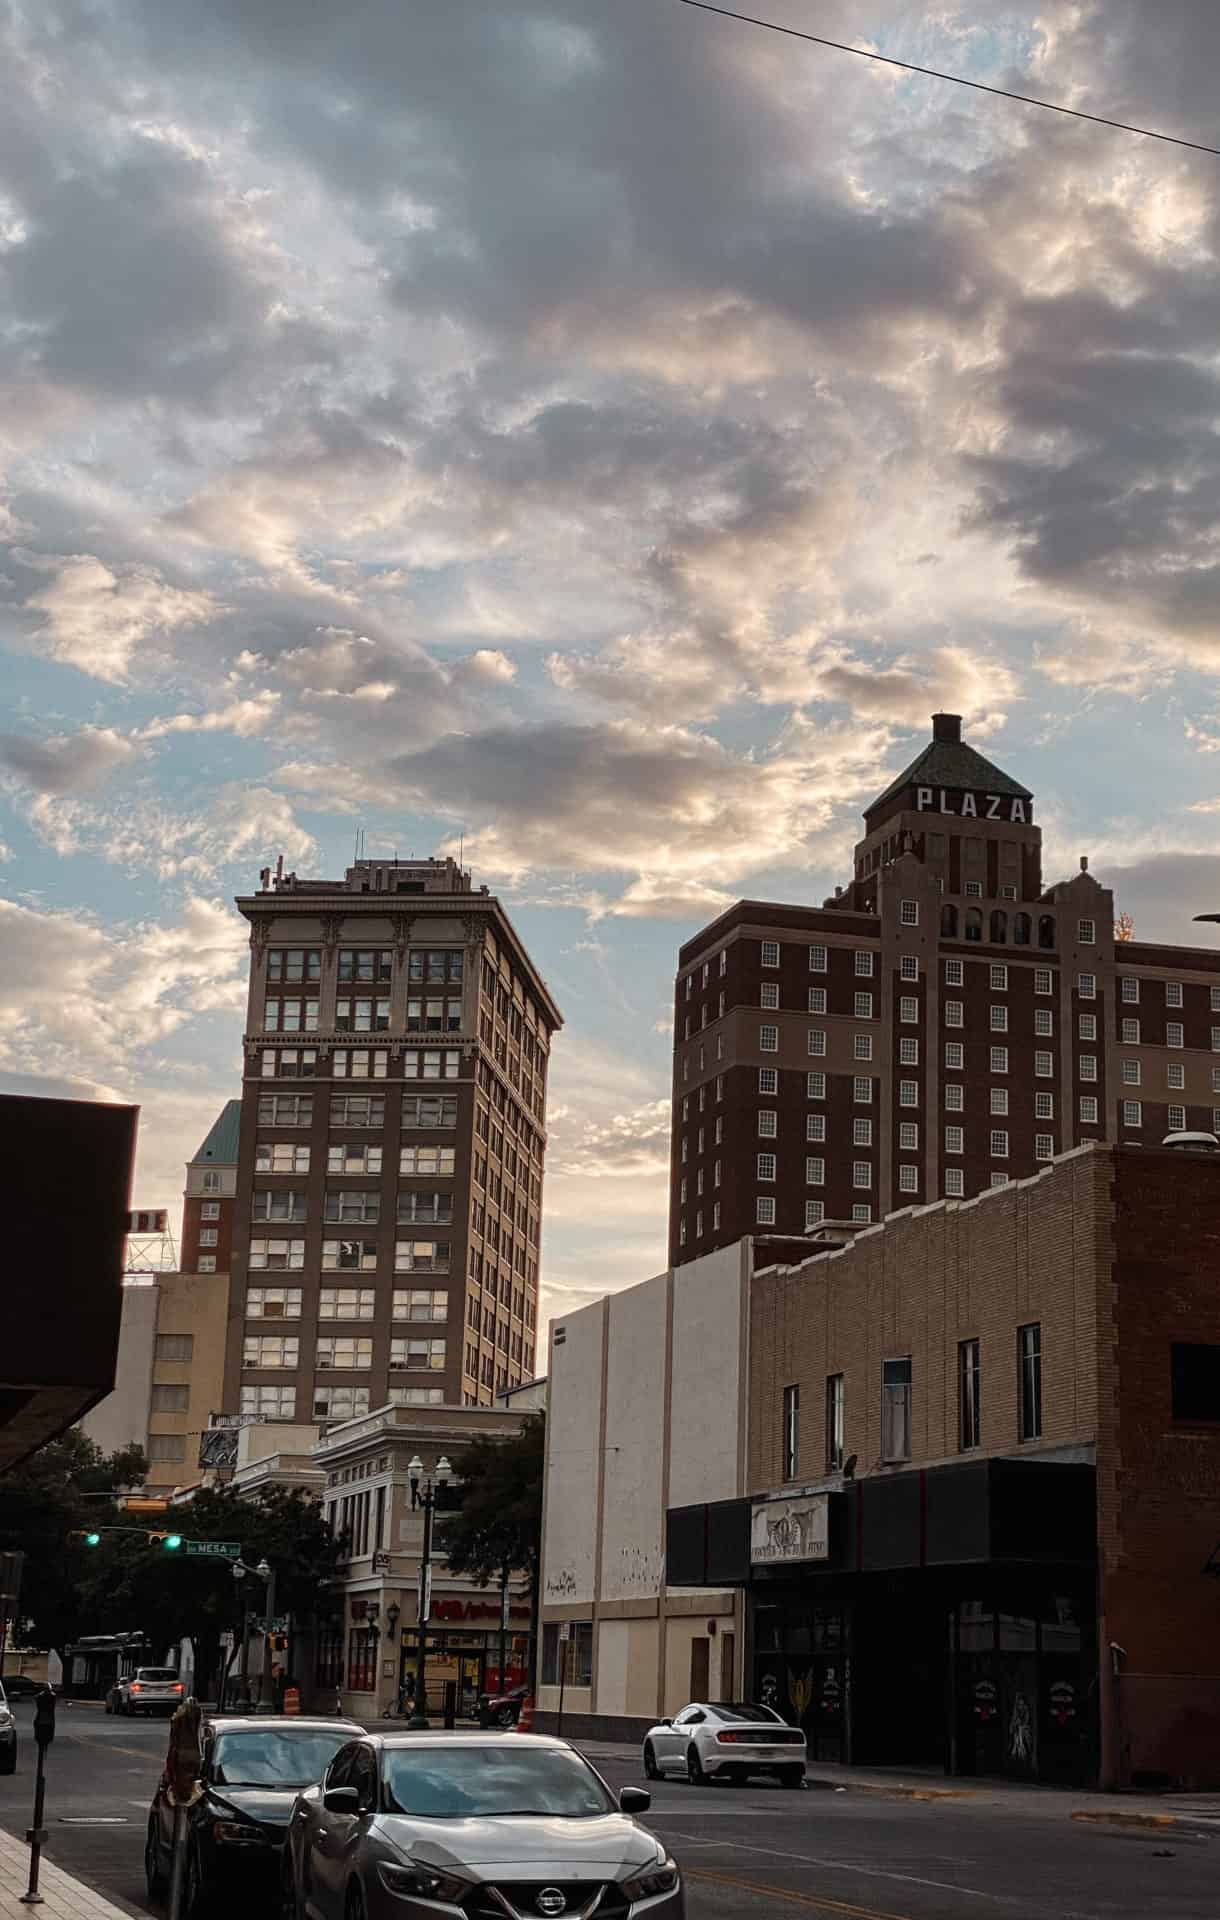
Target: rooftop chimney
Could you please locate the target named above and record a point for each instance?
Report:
(947, 727)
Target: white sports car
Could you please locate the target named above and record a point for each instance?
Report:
(725, 1740)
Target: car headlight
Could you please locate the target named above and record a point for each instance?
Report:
(6, 1718)
(662, 1879)
(420, 1882)
(228, 1830)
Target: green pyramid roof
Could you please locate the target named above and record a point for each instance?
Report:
(220, 1146)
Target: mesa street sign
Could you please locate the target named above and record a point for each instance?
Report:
(214, 1549)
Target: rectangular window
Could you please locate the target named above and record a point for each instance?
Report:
(955, 1013)
(815, 1126)
(896, 1409)
(716, 1217)
(293, 965)
(955, 1097)
(360, 965)
(1216, 1039)
(290, 1063)
(422, 1110)
(1130, 989)
(1133, 1113)
(767, 1123)
(816, 1044)
(279, 1203)
(864, 964)
(908, 1008)
(1131, 1073)
(815, 1171)
(863, 1046)
(768, 1039)
(355, 1256)
(1044, 1022)
(908, 1093)
(724, 963)
(1029, 1381)
(207, 1263)
(1177, 1119)
(170, 1399)
(352, 1204)
(344, 1352)
(908, 1050)
(373, 1016)
(908, 1179)
(861, 1174)
(1087, 1025)
(1044, 1146)
(792, 1432)
(420, 1303)
(764, 1210)
(332, 1402)
(863, 1006)
(955, 1183)
(815, 1086)
(817, 959)
(862, 1091)
(280, 1156)
(908, 913)
(290, 1016)
(269, 1403)
(999, 1144)
(953, 973)
(1130, 1033)
(999, 1099)
(1086, 986)
(285, 1109)
(955, 1140)
(1044, 1064)
(209, 1236)
(422, 1256)
(974, 889)
(1086, 1066)
(999, 979)
(766, 1166)
(769, 995)
(815, 1213)
(1086, 933)
(999, 1019)
(1088, 1109)
(359, 1063)
(770, 953)
(969, 1430)
(836, 1404)
(346, 1303)
(424, 1207)
(1042, 980)
(273, 1303)
(579, 1653)
(954, 1056)
(862, 1133)
(270, 1350)
(1175, 1075)
(908, 1136)
(768, 1080)
(910, 966)
(862, 1213)
(352, 1159)
(1173, 993)
(271, 1254)
(817, 999)
(417, 1356)
(1044, 1106)
(430, 1161)
(999, 1059)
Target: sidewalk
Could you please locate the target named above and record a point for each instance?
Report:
(63, 1897)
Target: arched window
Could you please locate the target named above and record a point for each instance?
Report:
(999, 928)
(948, 923)
(1022, 927)
(1046, 930)
(974, 924)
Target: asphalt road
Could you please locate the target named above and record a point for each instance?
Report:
(753, 1853)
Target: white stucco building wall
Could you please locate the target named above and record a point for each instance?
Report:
(646, 1412)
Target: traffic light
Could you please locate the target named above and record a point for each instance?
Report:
(169, 1541)
(93, 1539)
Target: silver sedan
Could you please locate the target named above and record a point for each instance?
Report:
(477, 1826)
(725, 1740)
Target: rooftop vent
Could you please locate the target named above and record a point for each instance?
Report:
(1189, 1142)
(947, 727)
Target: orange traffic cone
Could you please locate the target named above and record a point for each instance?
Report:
(525, 1719)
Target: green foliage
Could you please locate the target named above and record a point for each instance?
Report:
(498, 1527)
(40, 1506)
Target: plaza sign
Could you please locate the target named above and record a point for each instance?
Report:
(973, 806)
(782, 1531)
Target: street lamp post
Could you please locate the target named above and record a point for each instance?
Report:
(423, 1494)
(266, 1574)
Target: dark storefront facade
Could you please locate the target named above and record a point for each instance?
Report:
(934, 1617)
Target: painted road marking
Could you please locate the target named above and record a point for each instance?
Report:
(850, 1866)
(784, 1893)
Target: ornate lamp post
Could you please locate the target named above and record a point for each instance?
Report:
(423, 1494)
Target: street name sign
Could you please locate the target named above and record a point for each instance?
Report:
(213, 1549)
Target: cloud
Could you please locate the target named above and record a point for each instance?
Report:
(63, 762)
(246, 718)
(141, 834)
(99, 620)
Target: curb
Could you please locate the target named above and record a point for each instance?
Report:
(1156, 1821)
(887, 1792)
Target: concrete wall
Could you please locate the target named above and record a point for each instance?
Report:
(194, 1304)
(646, 1411)
(122, 1417)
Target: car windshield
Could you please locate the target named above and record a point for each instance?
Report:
(276, 1757)
(746, 1710)
(156, 1673)
(471, 1782)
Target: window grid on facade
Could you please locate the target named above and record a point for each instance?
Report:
(766, 1166)
(999, 1143)
(770, 953)
(999, 979)
(1177, 1119)
(864, 963)
(1133, 1113)
(953, 973)
(862, 1091)
(1088, 1109)
(1175, 1075)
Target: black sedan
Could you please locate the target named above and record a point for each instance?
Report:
(252, 1771)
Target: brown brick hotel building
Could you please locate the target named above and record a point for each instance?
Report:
(944, 1024)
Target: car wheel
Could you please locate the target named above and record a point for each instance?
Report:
(651, 1770)
(694, 1768)
(153, 1872)
(792, 1777)
(506, 1717)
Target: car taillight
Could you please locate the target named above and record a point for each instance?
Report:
(136, 1687)
(177, 1687)
(729, 1738)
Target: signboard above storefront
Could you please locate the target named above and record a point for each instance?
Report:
(783, 1531)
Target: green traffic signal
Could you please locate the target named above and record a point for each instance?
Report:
(93, 1539)
(171, 1542)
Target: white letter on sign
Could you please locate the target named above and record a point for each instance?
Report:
(923, 797)
(968, 807)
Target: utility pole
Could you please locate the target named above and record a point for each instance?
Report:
(440, 1477)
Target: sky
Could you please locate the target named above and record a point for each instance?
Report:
(599, 434)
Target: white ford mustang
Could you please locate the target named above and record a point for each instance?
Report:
(725, 1740)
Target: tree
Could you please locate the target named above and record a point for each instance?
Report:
(53, 1495)
(497, 1528)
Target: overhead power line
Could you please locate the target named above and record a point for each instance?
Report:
(955, 79)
